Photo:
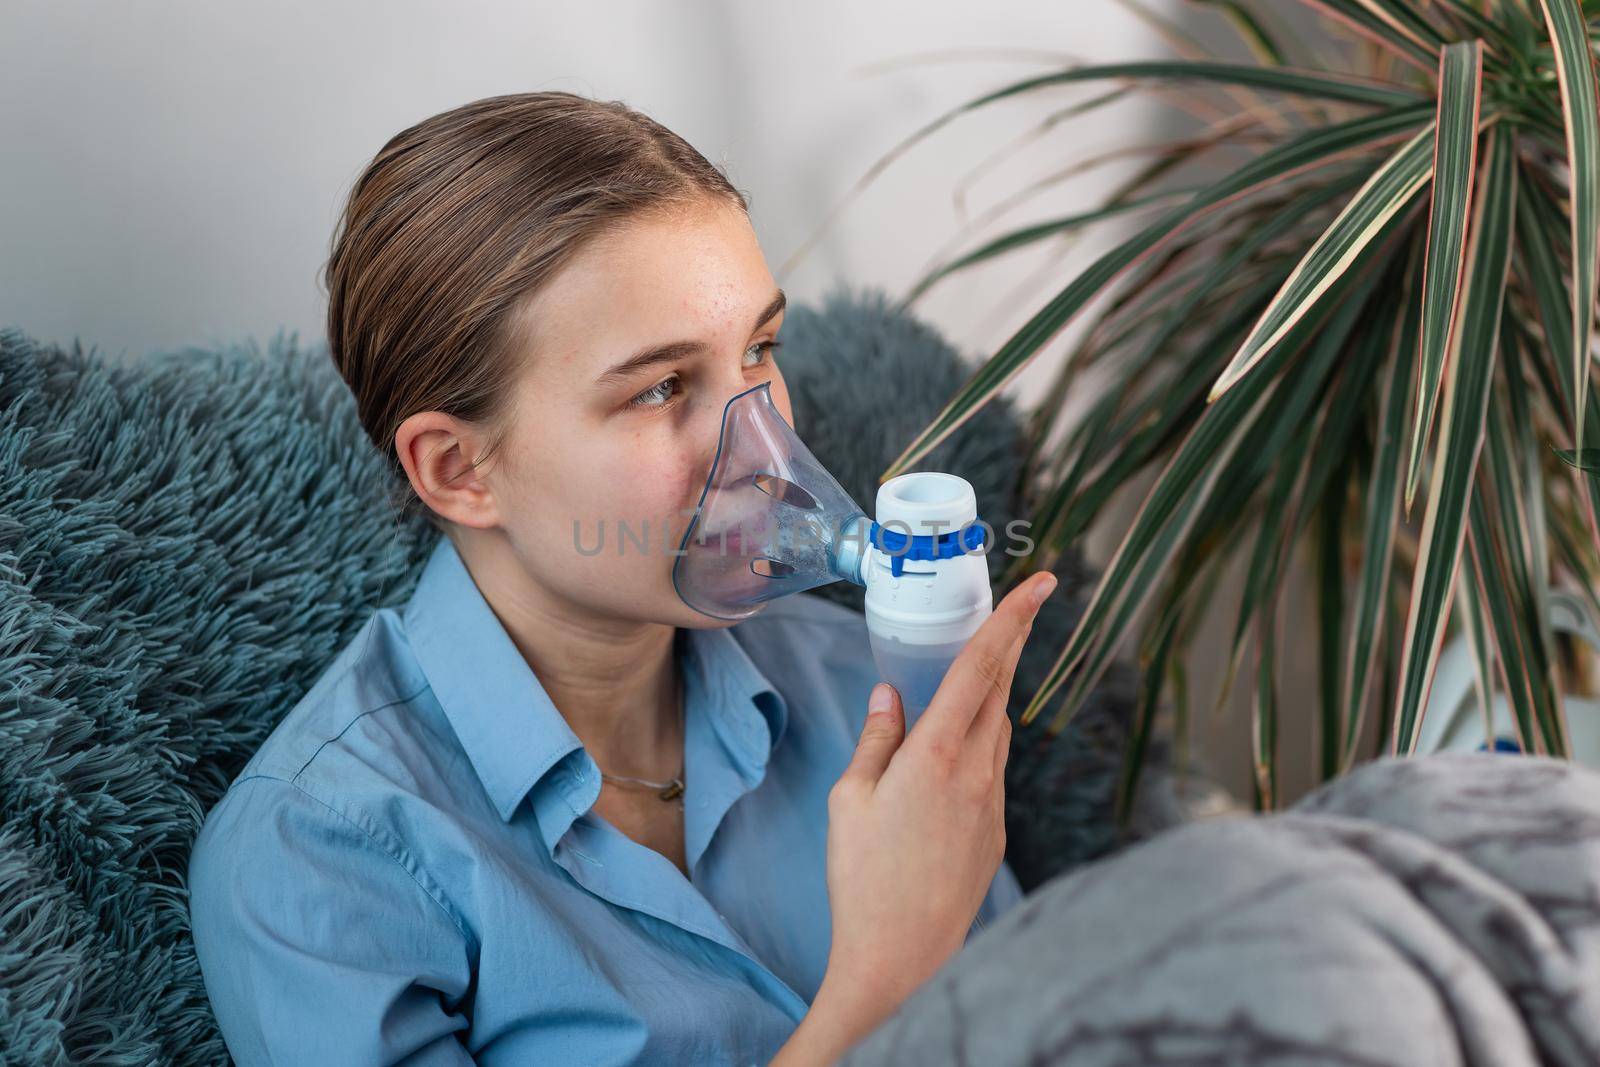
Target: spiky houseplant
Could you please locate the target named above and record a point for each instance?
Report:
(1392, 298)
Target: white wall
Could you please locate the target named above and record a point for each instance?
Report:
(173, 170)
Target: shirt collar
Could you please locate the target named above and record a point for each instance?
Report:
(512, 732)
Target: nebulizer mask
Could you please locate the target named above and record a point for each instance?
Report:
(772, 522)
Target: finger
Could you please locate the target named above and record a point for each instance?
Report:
(992, 720)
(881, 734)
(987, 721)
(1002, 746)
(1002, 749)
(989, 675)
(983, 665)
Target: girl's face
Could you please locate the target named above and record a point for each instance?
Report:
(632, 352)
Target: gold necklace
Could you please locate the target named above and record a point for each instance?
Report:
(668, 790)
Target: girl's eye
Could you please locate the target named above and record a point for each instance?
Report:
(765, 348)
(655, 396)
(659, 394)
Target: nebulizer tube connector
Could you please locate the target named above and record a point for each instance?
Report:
(852, 551)
(772, 522)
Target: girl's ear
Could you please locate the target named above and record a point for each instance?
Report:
(441, 460)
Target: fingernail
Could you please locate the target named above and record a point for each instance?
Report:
(1042, 590)
(880, 700)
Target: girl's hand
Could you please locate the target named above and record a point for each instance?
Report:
(917, 821)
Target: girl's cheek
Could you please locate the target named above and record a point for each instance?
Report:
(684, 477)
(657, 489)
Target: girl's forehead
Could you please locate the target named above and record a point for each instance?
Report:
(657, 283)
(700, 263)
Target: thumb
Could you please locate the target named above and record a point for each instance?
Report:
(881, 734)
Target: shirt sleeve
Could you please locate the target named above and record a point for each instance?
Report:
(317, 944)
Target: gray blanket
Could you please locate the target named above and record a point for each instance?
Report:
(1435, 910)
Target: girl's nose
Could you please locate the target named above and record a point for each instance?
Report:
(717, 415)
(705, 429)
(713, 404)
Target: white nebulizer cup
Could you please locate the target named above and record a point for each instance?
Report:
(772, 521)
(928, 586)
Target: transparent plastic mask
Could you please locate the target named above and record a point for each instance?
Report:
(771, 520)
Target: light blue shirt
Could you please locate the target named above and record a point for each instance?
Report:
(410, 869)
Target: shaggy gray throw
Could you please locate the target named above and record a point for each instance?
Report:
(1442, 910)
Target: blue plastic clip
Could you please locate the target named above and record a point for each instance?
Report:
(902, 547)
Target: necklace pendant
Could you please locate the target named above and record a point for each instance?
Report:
(673, 790)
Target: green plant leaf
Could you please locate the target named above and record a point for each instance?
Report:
(1306, 152)
(1311, 83)
(1330, 620)
(1570, 544)
(1250, 30)
(1492, 373)
(1275, 524)
(1128, 443)
(1315, 409)
(1367, 616)
(1466, 393)
(1575, 74)
(1475, 624)
(1065, 512)
(1391, 187)
(1405, 19)
(1039, 231)
(1371, 21)
(1539, 218)
(1478, 23)
(1504, 572)
(1455, 156)
(1155, 660)
(1588, 461)
(1524, 464)
(1528, 466)
(1307, 83)
(1264, 709)
(1233, 425)
(1497, 593)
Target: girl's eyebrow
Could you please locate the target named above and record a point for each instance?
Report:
(666, 353)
